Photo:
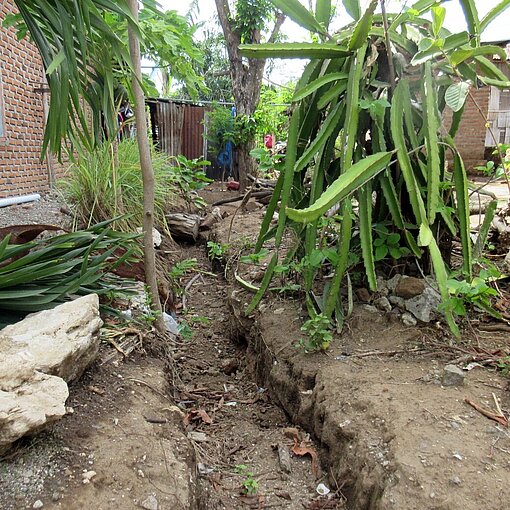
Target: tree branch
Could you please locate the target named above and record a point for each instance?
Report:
(231, 37)
(280, 18)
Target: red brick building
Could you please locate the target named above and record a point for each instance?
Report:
(474, 140)
(22, 114)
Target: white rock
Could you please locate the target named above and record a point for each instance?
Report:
(30, 406)
(37, 356)
(62, 341)
(156, 236)
(150, 503)
(38, 504)
(88, 475)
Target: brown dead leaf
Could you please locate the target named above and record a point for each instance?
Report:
(204, 416)
(292, 433)
(197, 415)
(253, 501)
(300, 451)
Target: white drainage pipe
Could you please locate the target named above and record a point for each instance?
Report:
(4, 202)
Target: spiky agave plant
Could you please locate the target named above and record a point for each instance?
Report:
(367, 124)
(37, 275)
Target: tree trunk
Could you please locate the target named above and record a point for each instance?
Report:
(147, 172)
(246, 80)
(246, 163)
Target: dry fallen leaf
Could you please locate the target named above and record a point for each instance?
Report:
(306, 450)
(195, 415)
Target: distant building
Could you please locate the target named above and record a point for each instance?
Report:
(22, 114)
(474, 140)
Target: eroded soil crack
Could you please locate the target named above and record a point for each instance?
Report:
(239, 434)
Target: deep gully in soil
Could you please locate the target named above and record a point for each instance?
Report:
(213, 374)
(254, 384)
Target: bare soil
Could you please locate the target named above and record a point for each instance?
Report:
(177, 425)
(391, 435)
(206, 422)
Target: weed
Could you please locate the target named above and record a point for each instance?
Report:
(504, 365)
(199, 320)
(254, 258)
(388, 243)
(319, 334)
(185, 331)
(477, 293)
(188, 177)
(178, 271)
(251, 486)
(217, 251)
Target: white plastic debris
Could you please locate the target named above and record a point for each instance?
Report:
(322, 490)
(171, 324)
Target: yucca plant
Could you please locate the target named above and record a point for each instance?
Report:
(100, 185)
(366, 138)
(36, 275)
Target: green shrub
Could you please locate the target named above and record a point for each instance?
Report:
(97, 190)
(37, 275)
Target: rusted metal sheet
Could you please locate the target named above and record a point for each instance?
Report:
(177, 128)
(193, 132)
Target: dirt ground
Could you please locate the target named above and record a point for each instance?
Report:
(391, 434)
(180, 425)
(209, 421)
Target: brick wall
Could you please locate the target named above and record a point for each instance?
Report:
(21, 71)
(470, 138)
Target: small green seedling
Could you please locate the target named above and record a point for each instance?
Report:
(251, 486)
(319, 334)
(217, 251)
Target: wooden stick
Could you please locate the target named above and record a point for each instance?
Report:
(500, 418)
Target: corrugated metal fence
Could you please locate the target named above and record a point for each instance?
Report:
(178, 128)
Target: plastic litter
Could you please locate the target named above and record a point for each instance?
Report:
(171, 324)
(322, 490)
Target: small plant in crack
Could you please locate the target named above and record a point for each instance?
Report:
(250, 485)
(217, 251)
(319, 334)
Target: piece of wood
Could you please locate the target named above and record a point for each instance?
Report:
(255, 194)
(500, 225)
(184, 226)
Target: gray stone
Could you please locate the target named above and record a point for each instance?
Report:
(284, 459)
(382, 287)
(425, 305)
(393, 282)
(370, 309)
(38, 504)
(453, 376)
(383, 304)
(409, 287)
(150, 503)
(408, 319)
(398, 301)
